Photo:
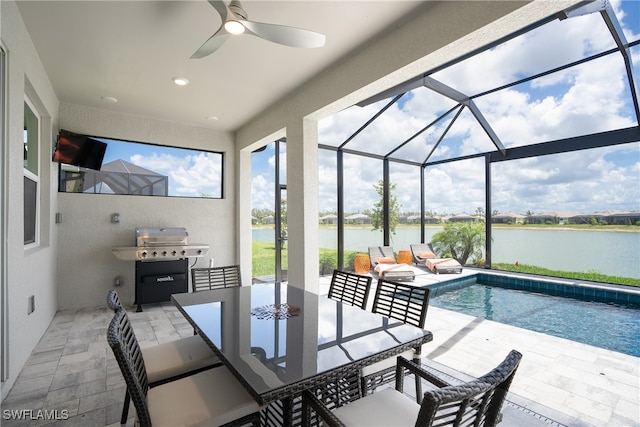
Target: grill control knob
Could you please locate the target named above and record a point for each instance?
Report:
(183, 252)
(199, 251)
(164, 253)
(174, 253)
(154, 253)
(144, 254)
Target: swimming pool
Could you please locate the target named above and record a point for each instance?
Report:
(590, 316)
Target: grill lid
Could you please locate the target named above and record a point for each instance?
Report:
(169, 236)
(160, 244)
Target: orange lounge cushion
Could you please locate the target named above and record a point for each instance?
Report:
(386, 260)
(427, 255)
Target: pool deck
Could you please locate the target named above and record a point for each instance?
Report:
(559, 382)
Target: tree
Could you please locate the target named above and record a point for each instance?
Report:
(377, 213)
(460, 240)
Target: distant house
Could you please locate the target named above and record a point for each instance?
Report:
(553, 217)
(358, 219)
(329, 219)
(609, 217)
(415, 219)
(507, 218)
(269, 220)
(623, 218)
(462, 218)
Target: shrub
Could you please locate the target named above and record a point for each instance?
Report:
(327, 263)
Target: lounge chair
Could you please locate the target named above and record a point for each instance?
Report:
(383, 262)
(423, 254)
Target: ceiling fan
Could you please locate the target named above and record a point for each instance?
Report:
(234, 22)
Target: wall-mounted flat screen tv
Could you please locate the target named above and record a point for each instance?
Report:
(79, 150)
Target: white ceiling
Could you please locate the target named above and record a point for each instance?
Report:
(130, 50)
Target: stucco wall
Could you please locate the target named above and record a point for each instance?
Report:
(28, 271)
(86, 265)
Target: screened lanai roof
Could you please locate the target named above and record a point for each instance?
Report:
(573, 75)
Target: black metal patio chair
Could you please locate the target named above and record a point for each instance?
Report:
(212, 397)
(403, 302)
(208, 278)
(171, 360)
(475, 403)
(350, 288)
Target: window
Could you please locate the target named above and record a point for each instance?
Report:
(31, 148)
(143, 169)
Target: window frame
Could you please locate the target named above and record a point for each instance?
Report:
(63, 168)
(33, 176)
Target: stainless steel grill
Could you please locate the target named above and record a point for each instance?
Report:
(161, 256)
(160, 244)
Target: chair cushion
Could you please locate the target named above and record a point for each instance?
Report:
(427, 255)
(177, 357)
(387, 407)
(209, 398)
(386, 363)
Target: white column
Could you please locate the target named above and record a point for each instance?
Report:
(243, 210)
(302, 204)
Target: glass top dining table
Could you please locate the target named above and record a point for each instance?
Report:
(280, 340)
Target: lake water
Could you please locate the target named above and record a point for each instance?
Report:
(614, 253)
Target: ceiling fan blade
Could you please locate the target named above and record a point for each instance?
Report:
(214, 43)
(281, 34)
(220, 7)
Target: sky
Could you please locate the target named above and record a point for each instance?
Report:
(592, 97)
(191, 173)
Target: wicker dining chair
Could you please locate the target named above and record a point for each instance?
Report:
(399, 301)
(350, 288)
(212, 397)
(171, 360)
(215, 277)
(477, 402)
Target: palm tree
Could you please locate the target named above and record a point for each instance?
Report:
(460, 240)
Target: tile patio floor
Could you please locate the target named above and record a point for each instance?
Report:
(559, 382)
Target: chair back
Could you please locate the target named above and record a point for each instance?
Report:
(402, 302)
(350, 288)
(477, 402)
(123, 342)
(215, 278)
(113, 301)
(420, 249)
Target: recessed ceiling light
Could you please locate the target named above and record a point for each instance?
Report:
(212, 118)
(180, 81)
(108, 99)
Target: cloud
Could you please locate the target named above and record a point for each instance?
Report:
(189, 175)
(262, 192)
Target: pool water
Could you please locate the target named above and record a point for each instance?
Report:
(613, 326)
